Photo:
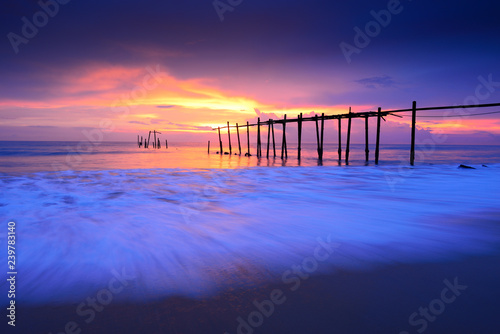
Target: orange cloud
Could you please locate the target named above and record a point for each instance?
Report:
(123, 94)
(139, 98)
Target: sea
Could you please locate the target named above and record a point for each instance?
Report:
(24, 157)
(182, 221)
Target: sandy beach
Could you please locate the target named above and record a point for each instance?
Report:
(380, 300)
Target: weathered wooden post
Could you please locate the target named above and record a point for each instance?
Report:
(238, 133)
(413, 127)
(300, 135)
(229, 138)
(322, 133)
(159, 145)
(259, 151)
(317, 135)
(154, 142)
(367, 150)
(286, 146)
(274, 142)
(220, 141)
(208, 150)
(377, 145)
(340, 138)
(149, 136)
(268, 136)
(348, 137)
(248, 139)
(166, 143)
(283, 141)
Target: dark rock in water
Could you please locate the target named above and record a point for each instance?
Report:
(217, 152)
(485, 166)
(466, 167)
(236, 154)
(248, 154)
(226, 153)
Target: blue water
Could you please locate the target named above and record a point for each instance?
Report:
(183, 222)
(27, 157)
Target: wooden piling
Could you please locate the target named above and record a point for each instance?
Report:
(220, 141)
(166, 143)
(259, 151)
(317, 134)
(274, 141)
(340, 139)
(154, 142)
(348, 137)
(248, 139)
(283, 141)
(299, 136)
(238, 133)
(377, 145)
(286, 148)
(268, 136)
(149, 136)
(208, 150)
(413, 128)
(159, 145)
(229, 138)
(322, 133)
(367, 150)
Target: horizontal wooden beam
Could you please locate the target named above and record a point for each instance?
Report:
(368, 114)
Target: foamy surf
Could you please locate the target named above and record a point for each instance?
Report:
(193, 232)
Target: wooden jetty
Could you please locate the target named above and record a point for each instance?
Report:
(156, 140)
(320, 129)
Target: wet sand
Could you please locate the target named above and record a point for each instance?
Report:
(377, 301)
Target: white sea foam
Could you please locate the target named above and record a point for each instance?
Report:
(192, 232)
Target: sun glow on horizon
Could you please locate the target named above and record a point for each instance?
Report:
(135, 100)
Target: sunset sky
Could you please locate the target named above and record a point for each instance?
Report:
(175, 66)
